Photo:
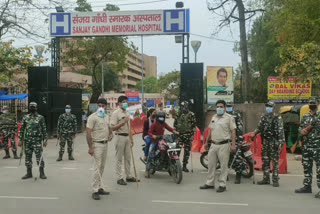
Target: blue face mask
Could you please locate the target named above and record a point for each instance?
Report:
(229, 109)
(269, 110)
(125, 106)
(220, 111)
(68, 110)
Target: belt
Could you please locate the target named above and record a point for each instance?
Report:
(122, 134)
(102, 141)
(221, 142)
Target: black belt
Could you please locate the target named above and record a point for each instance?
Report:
(122, 134)
(102, 141)
(222, 142)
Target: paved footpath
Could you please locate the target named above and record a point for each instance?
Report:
(67, 189)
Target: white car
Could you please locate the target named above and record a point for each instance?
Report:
(168, 109)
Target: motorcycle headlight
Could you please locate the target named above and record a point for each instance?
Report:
(172, 145)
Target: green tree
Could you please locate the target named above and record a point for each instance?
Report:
(150, 85)
(169, 85)
(91, 52)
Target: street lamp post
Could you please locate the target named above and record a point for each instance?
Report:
(39, 50)
(195, 46)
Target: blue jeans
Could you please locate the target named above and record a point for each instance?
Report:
(152, 153)
(147, 148)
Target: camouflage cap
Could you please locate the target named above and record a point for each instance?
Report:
(229, 104)
(68, 106)
(33, 104)
(313, 100)
(5, 108)
(270, 103)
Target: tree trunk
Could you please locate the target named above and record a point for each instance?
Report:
(95, 95)
(243, 50)
(96, 87)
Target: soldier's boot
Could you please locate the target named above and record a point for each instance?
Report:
(184, 168)
(238, 178)
(15, 156)
(304, 189)
(264, 181)
(28, 175)
(60, 156)
(7, 156)
(317, 195)
(275, 184)
(70, 156)
(42, 175)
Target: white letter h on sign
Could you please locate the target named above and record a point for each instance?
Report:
(64, 24)
(179, 21)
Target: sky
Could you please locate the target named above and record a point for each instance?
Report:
(213, 51)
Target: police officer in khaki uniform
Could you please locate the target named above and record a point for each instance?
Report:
(222, 130)
(120, 124)
(98, 134)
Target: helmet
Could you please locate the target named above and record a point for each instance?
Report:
(313, 100)
(270, 104)
(161, 117)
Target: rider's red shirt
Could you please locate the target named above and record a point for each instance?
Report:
(158, 130)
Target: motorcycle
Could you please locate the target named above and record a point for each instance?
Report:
(166, 158)
(244, 153)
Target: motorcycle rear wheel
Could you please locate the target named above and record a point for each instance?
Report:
(204, 160)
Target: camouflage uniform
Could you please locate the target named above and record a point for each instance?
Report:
(67, 127)
(185, 124)
(238, 163)
(272, 133)
(311, 147)
(8, 129)
(32, 132)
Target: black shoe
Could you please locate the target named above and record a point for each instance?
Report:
(238, 178)
(317, 195)
(132, 179)
(15, 156)
(102, 192)
(95, 196)
(206, 187)
(60, 157)
(7, 156)
(275, 184)
(71, 157)
(121, 182)
(263, 182)
(184, 168)
(304, 189)
(221, 189)
(28, 175)
(42, 175)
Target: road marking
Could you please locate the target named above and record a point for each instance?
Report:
(33, 198)
(10, 167)
(199, 202)
(69, 168)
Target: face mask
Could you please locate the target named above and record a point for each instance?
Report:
(105, 112)
(125, 106)
(4, 112)
(220, 111)
(229, 109)
(101, 112)
(269, 109)
(68, 110)
(161, 119)
(33, 110)
(313, 107)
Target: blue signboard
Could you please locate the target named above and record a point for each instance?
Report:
(150, 103)
(175, 103)
(133, 99)
(168, 103)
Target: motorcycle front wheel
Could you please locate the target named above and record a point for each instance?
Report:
(176, 171)
(204, 160)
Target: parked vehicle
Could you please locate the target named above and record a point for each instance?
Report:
(167, 158)
(245, 154)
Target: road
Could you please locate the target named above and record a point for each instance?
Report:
(67, 189)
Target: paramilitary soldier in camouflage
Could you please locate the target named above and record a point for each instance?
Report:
(271, 129)
(67, 127)
(311, 147)
(238, 163)
(32, 133)
(8, 129)
(185, 124)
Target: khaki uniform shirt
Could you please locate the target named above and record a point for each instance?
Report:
(100, 127)
(221, 127)
(117, 117)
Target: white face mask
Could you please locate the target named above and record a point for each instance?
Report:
(101, 112)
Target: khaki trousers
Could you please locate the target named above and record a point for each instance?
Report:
(100, 156)
(122, 146)
(219, 153)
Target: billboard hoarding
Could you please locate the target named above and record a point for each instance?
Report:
(120, 23)
(219, 84)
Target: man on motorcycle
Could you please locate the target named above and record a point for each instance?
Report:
(238, 163)
(151, 114)
(185, 124)
(156, 132)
